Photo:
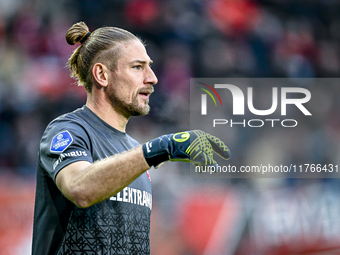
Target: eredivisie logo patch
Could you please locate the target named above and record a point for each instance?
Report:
(61, 141)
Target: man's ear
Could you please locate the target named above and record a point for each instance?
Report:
(100, 74)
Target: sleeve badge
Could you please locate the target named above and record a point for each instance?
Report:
(61, 141)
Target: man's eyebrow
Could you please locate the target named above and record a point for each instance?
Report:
(142, 61)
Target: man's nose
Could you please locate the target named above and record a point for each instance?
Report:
(150, 77)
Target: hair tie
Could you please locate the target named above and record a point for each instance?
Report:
(85, 37)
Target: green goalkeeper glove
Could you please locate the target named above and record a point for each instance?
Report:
(194, 146)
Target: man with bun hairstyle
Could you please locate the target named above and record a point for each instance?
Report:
(93, 193)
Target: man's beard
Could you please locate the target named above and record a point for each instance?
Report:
(129, 109)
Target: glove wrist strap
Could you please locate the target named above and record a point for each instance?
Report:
(154, 155)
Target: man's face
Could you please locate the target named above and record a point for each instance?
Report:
(131, 83)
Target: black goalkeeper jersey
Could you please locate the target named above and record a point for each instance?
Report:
(119, 225)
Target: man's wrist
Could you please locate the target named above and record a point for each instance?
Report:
(155, 152)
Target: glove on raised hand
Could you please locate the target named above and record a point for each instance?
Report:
(195, 146)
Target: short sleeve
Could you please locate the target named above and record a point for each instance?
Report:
(63, 143)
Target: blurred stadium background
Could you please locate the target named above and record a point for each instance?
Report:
(185, 38)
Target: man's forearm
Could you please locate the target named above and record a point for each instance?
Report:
(99, 181)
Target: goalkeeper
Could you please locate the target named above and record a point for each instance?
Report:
(93, 190)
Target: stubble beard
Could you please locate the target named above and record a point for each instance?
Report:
(129, 109)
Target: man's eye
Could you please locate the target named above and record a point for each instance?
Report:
(138, 67)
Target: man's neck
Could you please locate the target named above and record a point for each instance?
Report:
(108, 114)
